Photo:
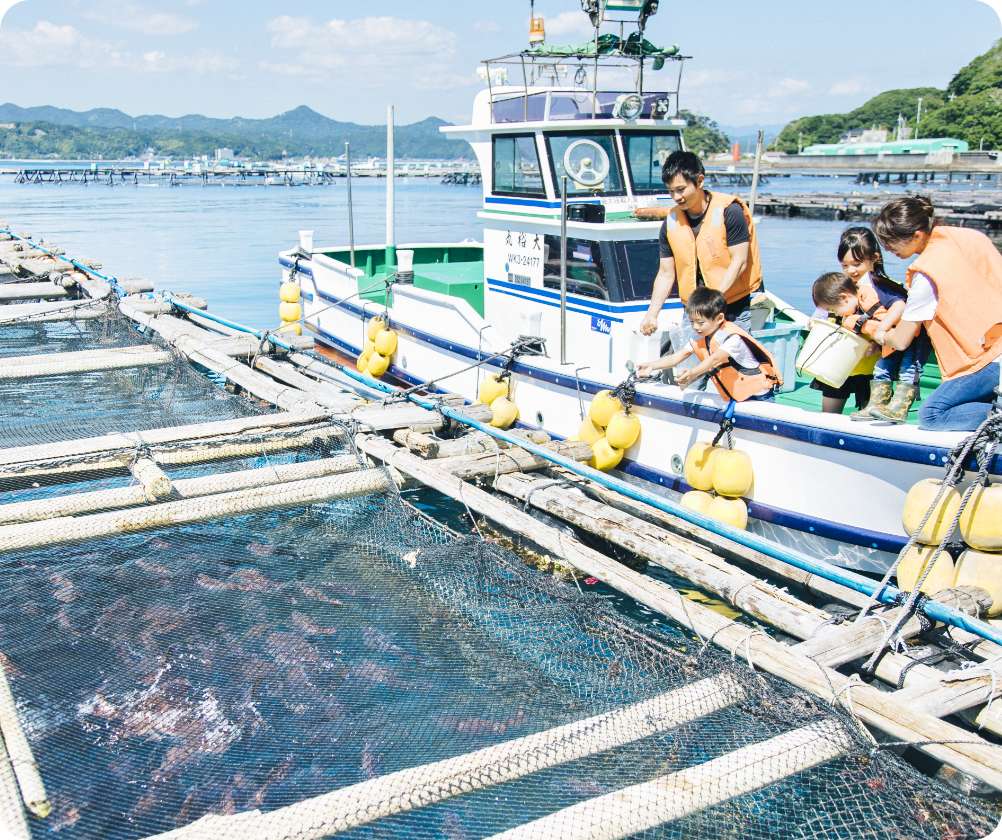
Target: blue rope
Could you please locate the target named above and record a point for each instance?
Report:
(112, 281)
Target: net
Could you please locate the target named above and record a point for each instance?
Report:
(347, 665)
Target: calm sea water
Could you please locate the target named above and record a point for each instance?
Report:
(221, 242)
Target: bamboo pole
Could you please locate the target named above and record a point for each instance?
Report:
(57, 310)
(945, 742)
(638, 808)
(29, 779)
(37, 510)
(57, 364)
(13, 824)
(416, 787)
(165, 514)
(323, 393)
(469, 444)
(154, 481)
(510, 460)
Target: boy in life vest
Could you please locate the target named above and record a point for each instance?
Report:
(739, 366)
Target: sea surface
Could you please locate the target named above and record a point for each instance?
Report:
(222, 242)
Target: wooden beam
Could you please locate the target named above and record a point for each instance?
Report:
(30, 291)
(416, 787)
(84, 361)
(13, 824)
(22, 760)
(510, 460)
(58, 310)
(469, 444)
(970, 754)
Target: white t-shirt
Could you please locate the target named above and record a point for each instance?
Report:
(922, 300)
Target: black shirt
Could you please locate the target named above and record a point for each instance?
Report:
(735, 228)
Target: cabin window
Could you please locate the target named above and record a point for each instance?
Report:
(516, 166)
(519, 108)
(585, 273)
(603, 157)
(646, 152)
(634, 266)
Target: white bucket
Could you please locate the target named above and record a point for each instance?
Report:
(405, 261)
(830, 353)
(306, 241)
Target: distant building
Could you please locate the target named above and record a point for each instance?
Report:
(865, 135)
(924, 146)
(225, 154)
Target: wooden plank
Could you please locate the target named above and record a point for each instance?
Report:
(13, 824)
(641, 807)
(30, 291)
(511, 460)
(380, 418)
(323, 393)
(37, 510)
(469, 444)
(169, 514)
(415, 787)
(58, 310)
(965, 751)
(59, 364)
(22, 760)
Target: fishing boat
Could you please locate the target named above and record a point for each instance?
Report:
(571, 142)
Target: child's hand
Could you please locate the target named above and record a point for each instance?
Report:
(850, 321)
(684, 377)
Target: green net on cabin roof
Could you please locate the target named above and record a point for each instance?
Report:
(328, 661)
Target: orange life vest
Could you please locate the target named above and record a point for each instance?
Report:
(966, 269)
(733, 382)
(709, 249)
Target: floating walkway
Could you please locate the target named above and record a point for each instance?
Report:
(436, 683)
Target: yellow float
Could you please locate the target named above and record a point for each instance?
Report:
(588, 432)
(492, 388)
(603, 407)
(386, 342)
(288, 292)
(732, 473)
(919, 500)
(981, 521)
(984, 570)
(504, 413)
(378, 365)
(375, 325)
(698, 501)
(699, 465)
(733, 512)
(913, 563)
(293, 327)
(603, 456)
(362, 362)
(623, 430)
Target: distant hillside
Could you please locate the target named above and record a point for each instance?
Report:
(104, 132)
(970, 109)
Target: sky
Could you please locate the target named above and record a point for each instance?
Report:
(754, 64)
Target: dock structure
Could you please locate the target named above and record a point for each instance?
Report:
(980, 209)
(785, 655)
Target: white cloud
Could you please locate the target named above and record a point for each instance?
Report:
(698, 79)
(138, 18)
(49, 44)
(568, 24)
(846, 87)
(375, 49)
(788, 87)
(489, 26)
(202, 63)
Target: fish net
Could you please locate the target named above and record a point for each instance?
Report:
(347, 666)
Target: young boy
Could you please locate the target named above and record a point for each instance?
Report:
(739, 366)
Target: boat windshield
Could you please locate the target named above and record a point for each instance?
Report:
(613, 271)
(646, 152)
(593, 152)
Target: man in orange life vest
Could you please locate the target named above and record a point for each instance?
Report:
(707, 239)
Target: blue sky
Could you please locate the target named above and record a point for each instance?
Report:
(754, 63)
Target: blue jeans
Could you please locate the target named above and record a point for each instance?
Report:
(961, 404)
(903, 365)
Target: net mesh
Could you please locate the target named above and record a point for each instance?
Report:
(272, 657)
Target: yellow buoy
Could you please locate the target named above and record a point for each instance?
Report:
(362, 362)
(603, 456)
(293, 328)
(603, 407)
(981, 521)
(588, 432)
(624, 429)
(733, 512)
(491, 388)
(288, 292)
(913, 564)
(984, 570)
(378, 365)
(504, 413)
(919, 500)
(386, 342)
(290, 311)
(732, 473)
(699, 465)
(375, 325)
(369, 347)
(697, 501)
